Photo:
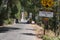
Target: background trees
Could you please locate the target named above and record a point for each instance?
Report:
(9, 9)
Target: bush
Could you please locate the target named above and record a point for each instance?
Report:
(50, 38)
(46, 38)
(8, 21)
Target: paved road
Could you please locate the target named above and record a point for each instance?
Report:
(18, 32)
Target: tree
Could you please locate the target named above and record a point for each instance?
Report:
(31, 6)
(9, 9)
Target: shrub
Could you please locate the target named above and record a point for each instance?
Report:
(8, 21)
(50, 38)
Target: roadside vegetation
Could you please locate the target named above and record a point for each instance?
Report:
(11, 9)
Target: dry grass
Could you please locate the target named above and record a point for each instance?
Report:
(49, 33)
(40, 31)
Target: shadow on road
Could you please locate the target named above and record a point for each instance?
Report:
(30, 34)
(31, 29)
(6, 29)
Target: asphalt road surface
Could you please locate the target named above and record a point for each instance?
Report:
(18, 32)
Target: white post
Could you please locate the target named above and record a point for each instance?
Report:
(22, 19)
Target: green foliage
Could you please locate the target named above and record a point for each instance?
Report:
(8, 21)
(0, 2)
(46, 38)
(14, 11)
(30, 5)
(17, 15)
(50, 38)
